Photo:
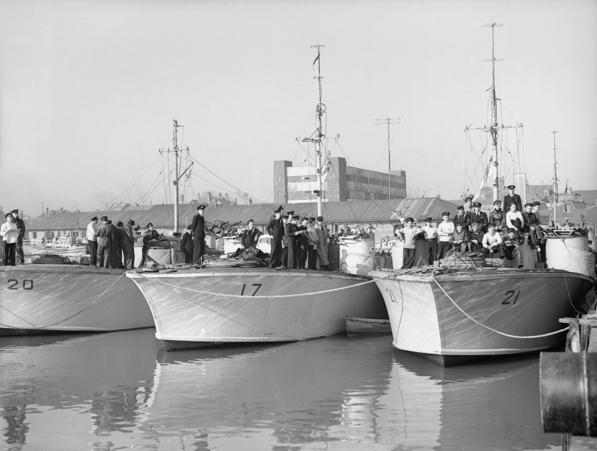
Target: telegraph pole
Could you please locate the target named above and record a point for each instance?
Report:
(389, 122)
(555, 179)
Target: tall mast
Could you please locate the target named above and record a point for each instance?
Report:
(555, 179)
(317, 136)
(493, 128)
(381, 122)
(177, 176)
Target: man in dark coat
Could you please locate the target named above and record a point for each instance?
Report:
(478, 216)
(104, 244)
(21, 226)
(117, 246)
(187, 245)
(275, 228)
(149, 236)
(302, 243)
(250, 235)
(497, 217)
(512, 198)
(127, 242)
(198, 231)
(291, 237)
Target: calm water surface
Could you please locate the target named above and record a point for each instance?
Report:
(124, 391)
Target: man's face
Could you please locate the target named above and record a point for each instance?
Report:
(200, 211)
(251, 225)
(497, 206)
(459, 227)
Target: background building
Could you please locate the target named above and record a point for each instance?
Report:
(293, 184)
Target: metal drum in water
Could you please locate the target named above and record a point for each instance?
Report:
(569, 392)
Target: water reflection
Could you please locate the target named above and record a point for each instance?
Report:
(120, 390)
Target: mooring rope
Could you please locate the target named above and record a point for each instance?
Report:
(261, 297)
(62, 320)
(494, 330)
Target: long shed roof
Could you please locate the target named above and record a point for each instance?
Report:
(162, 216)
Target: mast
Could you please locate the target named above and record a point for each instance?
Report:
(177, 177)
(493, 128)
(317, 136)
(555, 179)
(381, 122)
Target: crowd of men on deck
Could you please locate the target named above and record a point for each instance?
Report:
(500, 233)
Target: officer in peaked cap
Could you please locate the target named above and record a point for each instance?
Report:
(198, 232)
(512, 198)
(480, 217)
(275, 228)
(468, 204)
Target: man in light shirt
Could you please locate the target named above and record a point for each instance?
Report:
(10, 234)
(409, 236)
(492, 242)
(445, 232)
(92, 241)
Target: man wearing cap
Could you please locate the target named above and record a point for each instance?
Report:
(430, 234)
(445, 232)
(512, 198)
(149, 236)
(10, 233)
(292, 234)
(461, 218)
(530, 224)
(250, 235)
(198, 231)
(409, 235)
(92, 241)
(21, 226)
(497, 216)
(312, 239)
(323, 239)
(104, 244)
(117, 246)
(186, 245)
(541, 236)
(303, 242)
(275, 228)
(127, 243)
(478, 216)
(468, 204)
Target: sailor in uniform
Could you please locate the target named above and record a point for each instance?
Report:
(250, 235)
(275, 228)
(512, 198)
(198, 231)
(478, 216)
(291, 238)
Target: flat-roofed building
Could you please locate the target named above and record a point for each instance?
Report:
(294, 184)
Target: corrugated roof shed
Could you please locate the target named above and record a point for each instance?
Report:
(161, 216)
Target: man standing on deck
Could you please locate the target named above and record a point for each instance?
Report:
(275, 228)
(322, 244)
(116, 245)
(104, 244)
(21, 226)
(128, 244)
(198, 231)
(186, 245)
(92, 241)
(291, 237)
(512, 198)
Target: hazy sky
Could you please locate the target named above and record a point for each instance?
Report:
(89, 88)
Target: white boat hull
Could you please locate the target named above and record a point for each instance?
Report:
(454, 317)
(200, 307)
(64, 298)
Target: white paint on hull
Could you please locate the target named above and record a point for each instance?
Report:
(474, 313)
(64, 298)
(255, 305)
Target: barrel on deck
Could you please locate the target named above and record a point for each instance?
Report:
(568, 383)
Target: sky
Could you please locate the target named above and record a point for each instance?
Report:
(89, 90)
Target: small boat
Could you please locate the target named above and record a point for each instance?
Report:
(460, 311)
(454, 315)
(44, 298)
(238, 302)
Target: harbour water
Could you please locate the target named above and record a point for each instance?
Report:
(122, 390)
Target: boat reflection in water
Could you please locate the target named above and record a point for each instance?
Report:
(123, 390)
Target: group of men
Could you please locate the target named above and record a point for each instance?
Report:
(298, 241)
(497, 234)
(111, 245)
(12, 233)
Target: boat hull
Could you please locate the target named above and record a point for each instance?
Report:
(453, 318)
(200, 307)
(65, 298)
